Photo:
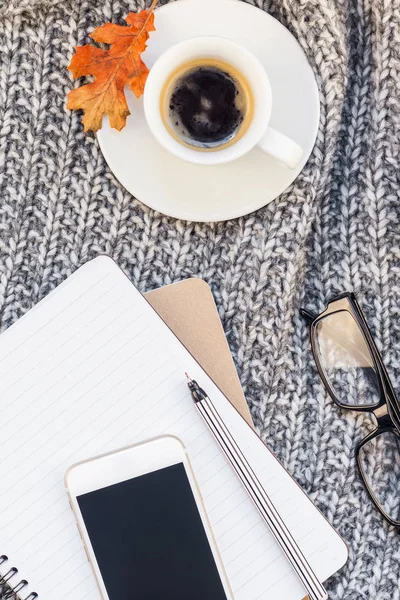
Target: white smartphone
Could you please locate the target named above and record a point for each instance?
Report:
(144, 526)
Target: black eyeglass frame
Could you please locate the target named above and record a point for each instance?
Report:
(387, 409)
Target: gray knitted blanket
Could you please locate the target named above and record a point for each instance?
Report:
(335, 229)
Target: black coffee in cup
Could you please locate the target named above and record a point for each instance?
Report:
(206, 104)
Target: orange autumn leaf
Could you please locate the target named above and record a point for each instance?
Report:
(112, 69)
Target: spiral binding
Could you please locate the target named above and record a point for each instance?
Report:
(10, 590)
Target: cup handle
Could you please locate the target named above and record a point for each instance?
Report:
(281, 147)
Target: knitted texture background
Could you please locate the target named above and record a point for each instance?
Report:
(335, 229)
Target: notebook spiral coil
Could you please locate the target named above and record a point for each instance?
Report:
(10, 587)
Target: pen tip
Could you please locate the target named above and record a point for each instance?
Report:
(190, 379)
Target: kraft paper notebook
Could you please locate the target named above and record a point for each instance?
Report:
(189, 309)
(93, 368)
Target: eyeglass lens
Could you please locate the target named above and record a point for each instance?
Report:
(380, 466)
(346, 360)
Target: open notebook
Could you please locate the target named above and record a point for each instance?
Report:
(93, 368)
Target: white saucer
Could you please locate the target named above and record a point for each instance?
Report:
(217, 193)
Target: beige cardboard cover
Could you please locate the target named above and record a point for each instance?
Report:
(189, 309)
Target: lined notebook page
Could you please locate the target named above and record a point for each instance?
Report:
(93, 368)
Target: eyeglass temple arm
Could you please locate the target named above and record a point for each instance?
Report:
(307, 316)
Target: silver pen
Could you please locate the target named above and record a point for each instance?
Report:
(257, 493)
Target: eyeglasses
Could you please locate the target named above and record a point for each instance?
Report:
(354, 375)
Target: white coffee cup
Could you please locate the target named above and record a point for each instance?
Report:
(258, 133)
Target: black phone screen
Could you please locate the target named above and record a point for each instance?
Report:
(149, 540)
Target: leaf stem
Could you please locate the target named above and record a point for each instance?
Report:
(150, 11)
